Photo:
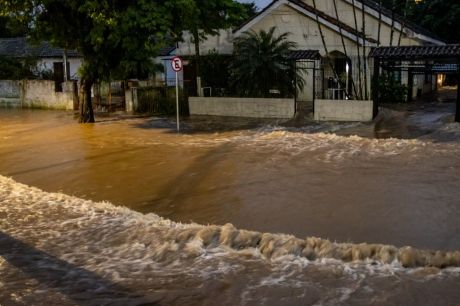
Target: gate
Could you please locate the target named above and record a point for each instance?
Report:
(312, 89)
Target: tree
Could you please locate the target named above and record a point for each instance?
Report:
(365, 58)
(207, 17)
(360, 81)
(342, 38)
(16, 69)
(261, 63)
(112, 36)
(11, 27)
(251, 9)
(437, 16)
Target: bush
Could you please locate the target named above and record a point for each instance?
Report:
(15, 69)
(391, 90)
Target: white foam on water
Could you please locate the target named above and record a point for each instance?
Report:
(122, 233)
(286, 143)
(124, 246)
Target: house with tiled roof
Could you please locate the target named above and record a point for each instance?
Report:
(336, 30)
(48, 58)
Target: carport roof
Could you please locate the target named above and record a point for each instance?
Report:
(417, 52)
(304, 54)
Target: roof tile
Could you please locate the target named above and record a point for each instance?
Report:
(20, 48)
(304, 54)
(417, 52)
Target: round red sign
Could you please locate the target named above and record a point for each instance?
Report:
(176, 64)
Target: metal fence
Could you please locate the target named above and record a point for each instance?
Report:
(162, 100)
(109, 96)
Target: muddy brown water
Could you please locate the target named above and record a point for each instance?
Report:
(321, 180)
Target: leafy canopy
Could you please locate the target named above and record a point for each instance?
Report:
(438, 16)
(110, 34)
(115, 36)
(206, 17)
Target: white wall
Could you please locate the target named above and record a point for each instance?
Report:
(10, 93)
(41, 94)
(222, 43)
(10, 89)
(36, 94)
(242, 107)
(344, 110)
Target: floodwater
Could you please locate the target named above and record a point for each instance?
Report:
(370, 189)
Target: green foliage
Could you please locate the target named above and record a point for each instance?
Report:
(44, 74)
(120, 37)
(441, 17)
(251, 9)
(12, 27)
(114, 37)
(215, 68)
(261, 64)
(206, 17)
(16, 69)
(391, 90)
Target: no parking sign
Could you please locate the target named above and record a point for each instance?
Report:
(177, 66)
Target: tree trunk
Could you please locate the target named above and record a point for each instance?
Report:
(196, 38)
(325, 46)
(392, 23)
(344, 51)
(86, 105)
(360, 80)
(403, 25)
(380, 24)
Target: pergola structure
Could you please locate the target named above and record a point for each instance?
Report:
(417, 60)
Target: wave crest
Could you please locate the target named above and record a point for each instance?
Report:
(26, 209)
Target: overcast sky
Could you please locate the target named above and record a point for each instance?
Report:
(260, 3)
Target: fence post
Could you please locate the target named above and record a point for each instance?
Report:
(135, 100)
(131, 101)
(129, 107)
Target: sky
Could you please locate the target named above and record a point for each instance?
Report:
(260, 3)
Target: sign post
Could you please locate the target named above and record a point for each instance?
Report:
(177, 66)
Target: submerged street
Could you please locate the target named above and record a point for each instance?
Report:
(394, 182)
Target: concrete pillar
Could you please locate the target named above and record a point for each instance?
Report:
(410, 85)
(135, 100)
(131, 102)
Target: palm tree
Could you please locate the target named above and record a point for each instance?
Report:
(261, 64)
